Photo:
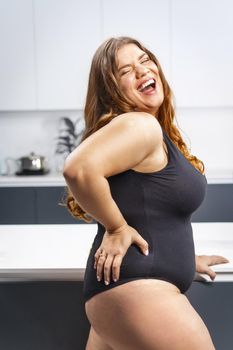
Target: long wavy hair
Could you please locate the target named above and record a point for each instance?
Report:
(105, 101)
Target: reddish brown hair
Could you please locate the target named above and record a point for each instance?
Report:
(104, 101)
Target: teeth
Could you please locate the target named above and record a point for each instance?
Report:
(148, 82)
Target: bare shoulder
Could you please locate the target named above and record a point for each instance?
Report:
(140, 125)
(140, 119)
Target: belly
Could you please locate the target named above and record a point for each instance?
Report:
(171, 258)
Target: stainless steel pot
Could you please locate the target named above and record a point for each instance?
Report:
(27, 165)
(32, 162)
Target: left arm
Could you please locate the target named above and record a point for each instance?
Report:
(203, 263)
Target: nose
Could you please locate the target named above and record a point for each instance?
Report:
(141, 70)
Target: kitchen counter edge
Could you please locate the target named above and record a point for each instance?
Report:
(57, 180)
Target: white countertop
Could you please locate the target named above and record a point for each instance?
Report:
(214, 176)
(54, 252)
(47, 180)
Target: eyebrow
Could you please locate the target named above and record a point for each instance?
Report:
(128, 65)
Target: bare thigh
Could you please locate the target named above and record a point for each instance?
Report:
(147, 315)
(95, 342)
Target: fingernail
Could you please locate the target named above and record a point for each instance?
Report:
(106, 282)
(147, 252)
(98, 278)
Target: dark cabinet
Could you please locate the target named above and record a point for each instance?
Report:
(40, 205)
(49, 210)
(34, 205)
(17, 205)
(217, 205)
(50, 315)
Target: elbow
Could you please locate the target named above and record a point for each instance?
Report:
(68, 170)
(75, 171)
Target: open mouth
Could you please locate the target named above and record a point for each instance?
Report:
(148, 86)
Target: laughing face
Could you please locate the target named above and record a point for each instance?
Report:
(139, 79)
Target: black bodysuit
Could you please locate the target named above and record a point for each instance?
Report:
(159, 206)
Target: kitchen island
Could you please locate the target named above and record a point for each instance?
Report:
(59, 252)
(41, 281)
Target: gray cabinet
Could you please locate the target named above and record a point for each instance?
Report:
(34, 205)
(49, 211)
(217, 205)
(40, 205)
(214, 303)
(17, 205)
(51, 315)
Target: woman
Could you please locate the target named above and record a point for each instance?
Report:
(134, 175)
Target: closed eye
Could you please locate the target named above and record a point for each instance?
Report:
(147, 59)
(125, 72)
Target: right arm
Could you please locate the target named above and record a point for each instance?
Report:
(116, 147)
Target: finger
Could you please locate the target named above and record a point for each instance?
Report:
(96, 256)
(221, 259)
(141, 243)
(116, 267)
(96, 261)
(107, 269)
(100, 266)
(218, 259)
(211, 273)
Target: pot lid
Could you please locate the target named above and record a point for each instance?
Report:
(32, 156)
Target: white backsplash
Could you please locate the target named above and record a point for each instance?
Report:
(208, 131)
(25, 132)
